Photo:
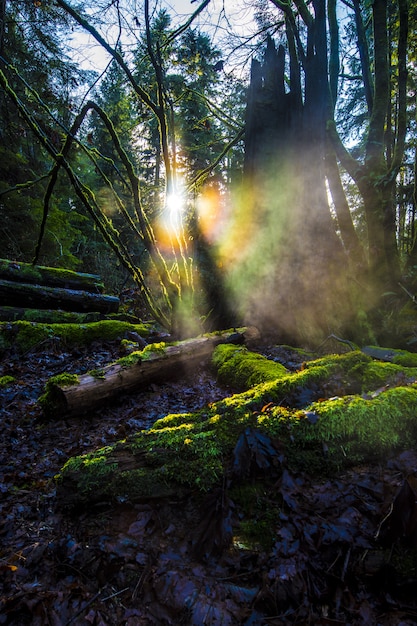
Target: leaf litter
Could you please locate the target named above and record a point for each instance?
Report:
(291, 550)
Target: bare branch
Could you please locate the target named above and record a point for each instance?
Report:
(116, 55)
(188, 23)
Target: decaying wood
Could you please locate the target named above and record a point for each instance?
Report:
(47, 316)
(95, 389)
(49, 276)
(27, 295)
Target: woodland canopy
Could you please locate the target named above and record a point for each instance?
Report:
(246, 162)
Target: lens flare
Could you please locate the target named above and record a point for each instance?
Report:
(169, 228)
(175, 211)
(211, 214)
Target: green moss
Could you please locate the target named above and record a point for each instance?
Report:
(130, 359)
(94, 470)
(176, 419)
(154, 348)
(347, 430)
(237, 366)
(378, 374)
(5, 381)
(51, 400)
(406, 359)
(26, 335)
(47, 316)
(195, 451)
(26, 272)
(142, 355)
(64, 380)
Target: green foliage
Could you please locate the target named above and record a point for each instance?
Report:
(33, 43)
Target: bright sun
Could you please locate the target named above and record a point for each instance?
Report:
(175, 207)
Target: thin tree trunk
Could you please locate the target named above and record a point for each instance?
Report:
(351, 242)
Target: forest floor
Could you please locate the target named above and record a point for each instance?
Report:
(316, 559)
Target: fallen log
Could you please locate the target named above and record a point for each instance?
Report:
(28, 295)
(47, 316)
(68, 394)
(49, 276)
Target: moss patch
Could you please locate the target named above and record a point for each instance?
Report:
(61, 277)
(49, 400)
(47, 316)
(26, 335)
(238, 366)
(5, 381)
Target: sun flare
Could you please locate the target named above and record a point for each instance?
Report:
(175, 210)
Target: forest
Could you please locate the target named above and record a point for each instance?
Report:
(208, 319)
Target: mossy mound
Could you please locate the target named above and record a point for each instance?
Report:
(26, 335)
(243, 369)
(278, 385)
(184, 452)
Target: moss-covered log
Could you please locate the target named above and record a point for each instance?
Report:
(24, 336)
(47, 316)
(249, 432)
(42, 297)
(50, 276)
(68, 396)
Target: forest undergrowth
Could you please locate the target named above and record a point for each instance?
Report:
(336, 550)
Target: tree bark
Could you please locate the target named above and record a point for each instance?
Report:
(41, 297)
(351, 242)
(91, 390)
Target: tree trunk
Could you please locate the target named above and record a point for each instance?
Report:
(40, 297)
(68, 395)
(302, 282)
(353, 246)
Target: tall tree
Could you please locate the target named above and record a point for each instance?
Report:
(285, 157)
(383, 76)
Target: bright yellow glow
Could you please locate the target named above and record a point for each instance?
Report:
(175, 202)
(169, 228)
(210, 214)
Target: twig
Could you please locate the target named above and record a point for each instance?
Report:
(83, 608)
(113, 595)
(409, 294)
(351, 345)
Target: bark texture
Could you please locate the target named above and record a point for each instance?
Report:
(50, 276)
(68, 397)
(15, 294)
